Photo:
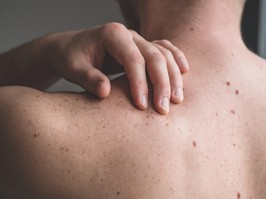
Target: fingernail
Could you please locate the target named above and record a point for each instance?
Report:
(165, 104)
(183, 62)
(179, 93)
(144, 101)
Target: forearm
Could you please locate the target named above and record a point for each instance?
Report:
(31, 64)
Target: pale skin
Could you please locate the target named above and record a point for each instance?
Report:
(82, 56)
(68, 145)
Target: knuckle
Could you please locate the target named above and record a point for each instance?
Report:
(178, 52)
(165, 42)
(91, 75)
(156, 56)
(135, 58)
(113, 27)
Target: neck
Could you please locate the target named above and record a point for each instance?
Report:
(192, 22)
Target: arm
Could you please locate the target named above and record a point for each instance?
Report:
(30, 64)
(79, 57)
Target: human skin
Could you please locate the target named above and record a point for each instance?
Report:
(69, 145)
(82, 56)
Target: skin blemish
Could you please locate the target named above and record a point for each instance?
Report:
(238, 195)
(147, 124)
(35, 135)
(233, 111)
(228, 83)
(237, 92)
(118, 193)
(192, 29)
(232, 54)
(194, 143)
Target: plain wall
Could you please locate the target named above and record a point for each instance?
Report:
(21, 21)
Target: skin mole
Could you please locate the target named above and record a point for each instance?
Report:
(233, 111)
(238, 195)
(35, 135)
(194, 143)
(237, 92)
(228, 83)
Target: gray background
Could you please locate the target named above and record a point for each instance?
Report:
(21, 21)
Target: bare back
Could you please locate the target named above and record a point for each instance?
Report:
(211, 146)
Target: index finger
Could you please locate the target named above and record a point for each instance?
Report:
(118, 41)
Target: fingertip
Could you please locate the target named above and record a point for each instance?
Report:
(183, 65)
(177, 96)
(102, 88)
(163, 106)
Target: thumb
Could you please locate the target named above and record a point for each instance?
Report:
(92, 80)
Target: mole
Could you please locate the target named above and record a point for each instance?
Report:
(35, 135)
(118, 193)
(192, 29)
(194, 143)
(238, 195)
(232, 111)
(228, 83)
(237, 92)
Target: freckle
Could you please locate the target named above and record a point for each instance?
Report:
(37, 96)
(233, 111)
(91, 179)
(69, 171)
(238, 195)
(194, 144)
(147, 124)
(166, 124)
(55, 109)
(237, 92)
(232, 54)
(228, 83)
(35, 135)
(117, 193)
(217, 114)
(234, 144)
(102, 179)
(25, 110)
(192, 29)
(67, 150)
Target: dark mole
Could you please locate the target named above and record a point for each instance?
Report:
(232, 111)
(238, 195)
(69, 171)
(237, 92)
(194, 144)
(192, 29)
(228, 83)
(35, 135)
(118, 193)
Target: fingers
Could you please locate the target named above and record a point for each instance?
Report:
(164, 71)
(157, 68)
(91, 79)
(178, 55)
(119, 43)
(175, 76)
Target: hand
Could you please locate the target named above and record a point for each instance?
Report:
(83, 53)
